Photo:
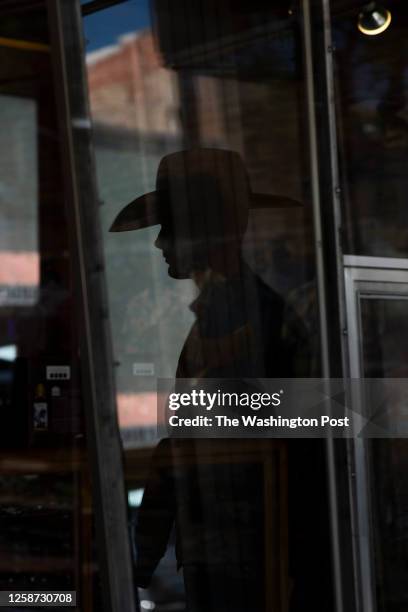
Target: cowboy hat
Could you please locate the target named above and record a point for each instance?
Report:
(194, 169)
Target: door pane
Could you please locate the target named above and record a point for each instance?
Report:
(385, 341)
(200, 79)
(46, 539)
(212, 275)
(371, 100)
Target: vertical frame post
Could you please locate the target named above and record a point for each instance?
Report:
(326, 193)
(80, 195)
(321, 294)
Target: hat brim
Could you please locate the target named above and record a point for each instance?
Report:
(141, 212)
(144, 211)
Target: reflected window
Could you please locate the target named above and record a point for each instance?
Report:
(385, 334)
(47, 540)
(201, 148)
(161, 83)
(371, 99)
(19, 258)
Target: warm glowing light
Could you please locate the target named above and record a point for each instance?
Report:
(373, 19)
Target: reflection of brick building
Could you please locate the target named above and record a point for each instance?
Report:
(143, 109)
(134, 106)
(129, 88)
(203, 100)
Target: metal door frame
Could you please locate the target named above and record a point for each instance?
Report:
(370, 278)
(333, 282)
(335, 271)
(327, 237)
(66, 26)
(79, 195)
(326, 200)
(358, 271)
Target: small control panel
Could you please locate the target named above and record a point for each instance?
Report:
(58, 372)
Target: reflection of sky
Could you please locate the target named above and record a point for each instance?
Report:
(104, 27)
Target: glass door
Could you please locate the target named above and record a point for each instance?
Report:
(369, 96)
(47, 540)
(377, 308)
(200, 129)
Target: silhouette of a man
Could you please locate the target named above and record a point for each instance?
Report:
(201, 201)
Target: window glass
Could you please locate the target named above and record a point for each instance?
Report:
(161, 83)
(201, 149)
(385, 334)
(46, 540)
(19, 242)
(371, 92)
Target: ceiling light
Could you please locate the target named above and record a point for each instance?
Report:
(373, 19)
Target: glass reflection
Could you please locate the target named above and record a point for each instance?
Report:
(198, 123)
(19, 258)
(385, 334)
(46, 540)
(371, 92)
